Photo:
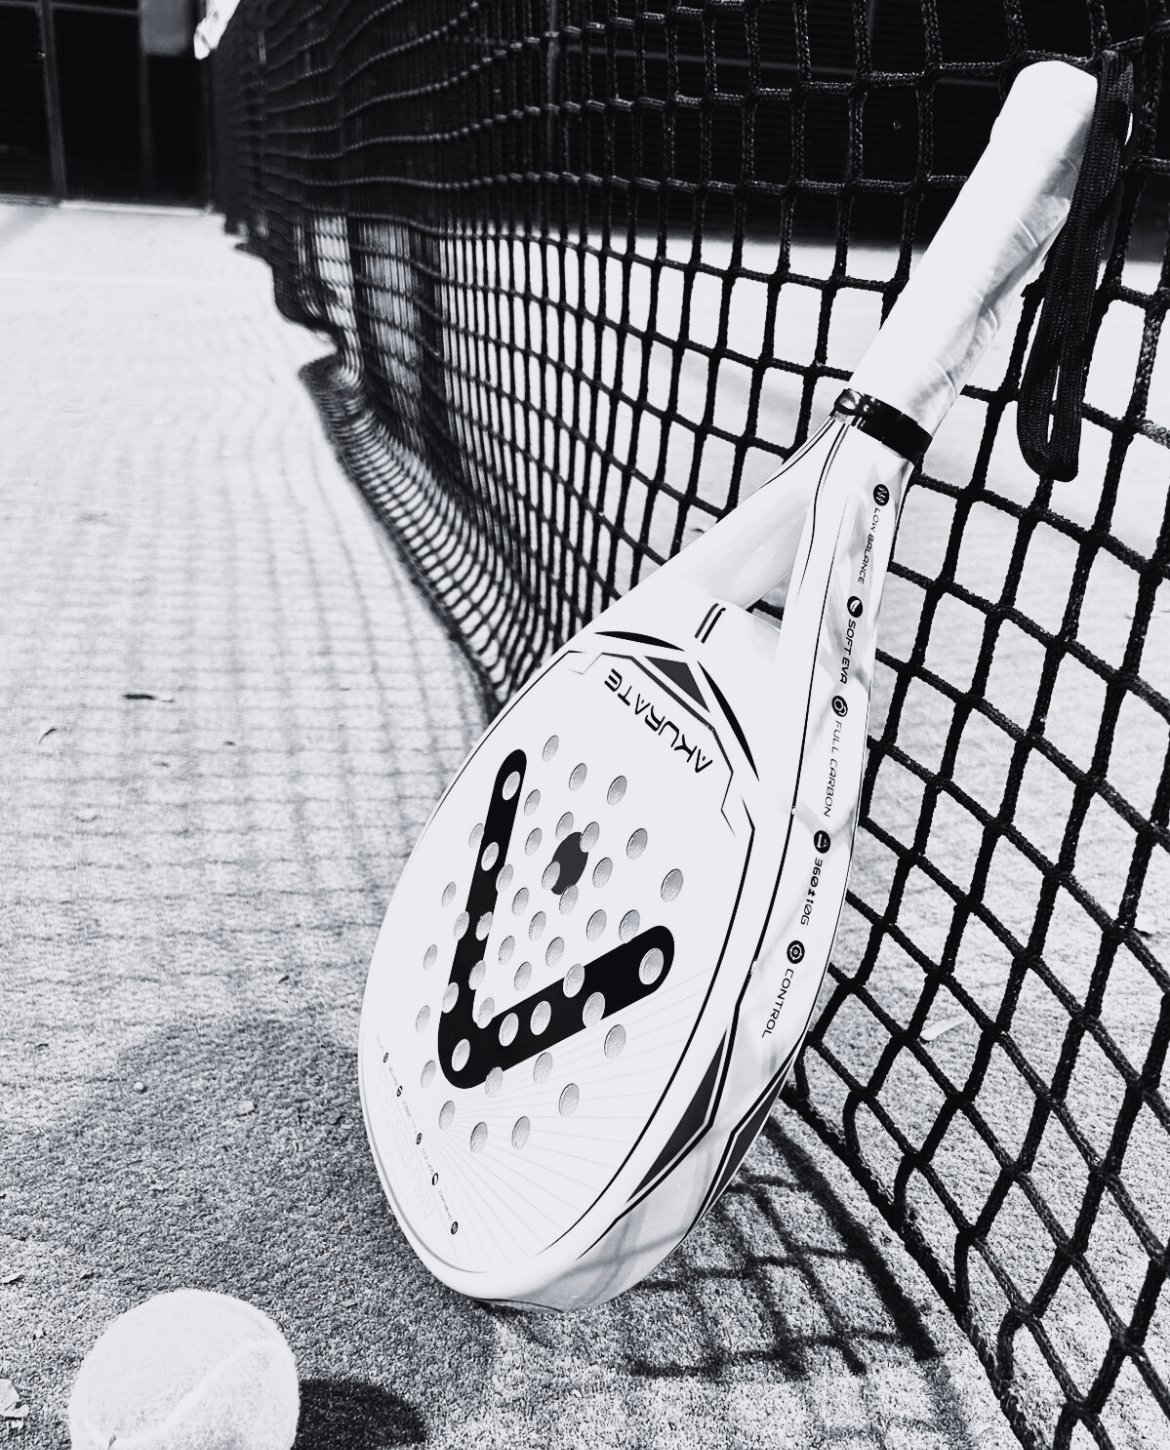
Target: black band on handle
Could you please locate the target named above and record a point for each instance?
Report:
(888, 425)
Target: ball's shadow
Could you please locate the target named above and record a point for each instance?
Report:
(345, 1414)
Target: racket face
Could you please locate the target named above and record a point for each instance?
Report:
(603, 954)
(551, 953)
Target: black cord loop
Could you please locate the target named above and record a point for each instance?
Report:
(1053, 386)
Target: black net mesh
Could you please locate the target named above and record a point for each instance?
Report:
(591, 269)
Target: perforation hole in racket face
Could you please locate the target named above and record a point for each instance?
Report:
(548, 949)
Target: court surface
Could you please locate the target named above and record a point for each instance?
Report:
(226, 715)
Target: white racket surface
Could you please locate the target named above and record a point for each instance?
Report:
(604, 952)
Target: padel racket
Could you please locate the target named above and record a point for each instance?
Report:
(604, 952)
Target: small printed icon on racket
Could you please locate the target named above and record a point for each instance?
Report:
(881, 494)
(854, 605)
(822, 841)
(795, 952)
(840, 706)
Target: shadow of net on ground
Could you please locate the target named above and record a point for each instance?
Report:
(783, 1282)
(790, 1273)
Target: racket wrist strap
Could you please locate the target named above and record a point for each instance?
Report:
(897, 430)
(1052, 393)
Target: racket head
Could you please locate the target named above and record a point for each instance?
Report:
(602, 955)
(551, 964)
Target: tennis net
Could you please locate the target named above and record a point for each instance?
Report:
(592, 269)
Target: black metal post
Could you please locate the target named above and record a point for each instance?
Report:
(52, 97)
(145, 130)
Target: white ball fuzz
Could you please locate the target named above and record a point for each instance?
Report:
(187, 1371)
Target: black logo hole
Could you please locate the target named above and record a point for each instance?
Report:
(570, 861)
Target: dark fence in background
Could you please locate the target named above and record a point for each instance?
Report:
(100, 99)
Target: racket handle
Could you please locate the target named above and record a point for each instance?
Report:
(992, 243)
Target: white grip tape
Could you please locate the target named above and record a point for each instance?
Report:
(992, 243)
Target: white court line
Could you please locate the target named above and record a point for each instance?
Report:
(261, 285)
(137, 208)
